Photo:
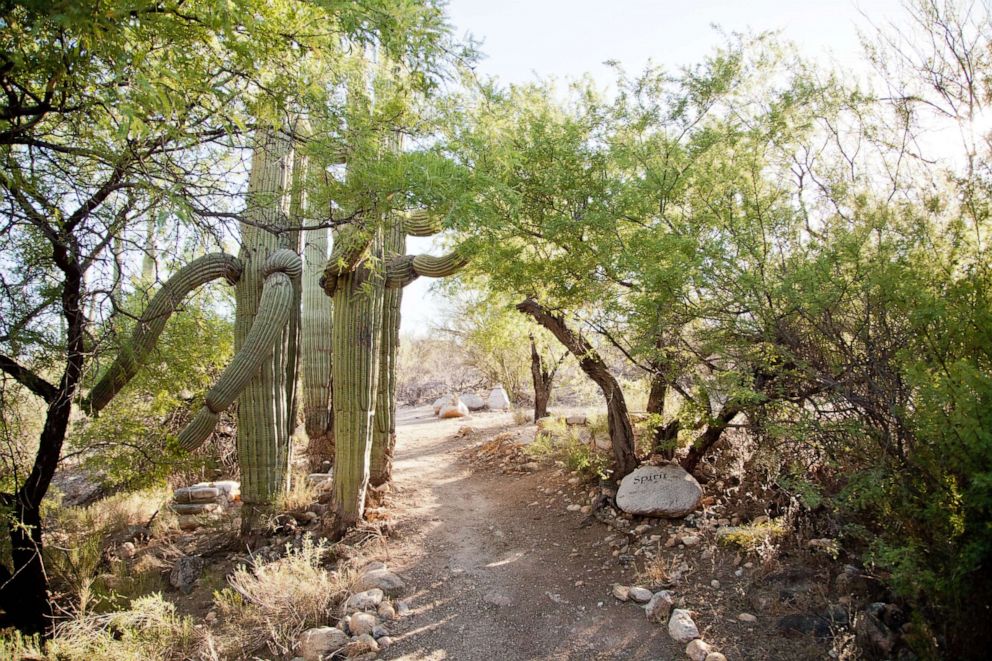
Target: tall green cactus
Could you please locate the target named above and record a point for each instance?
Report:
(316, 352)
(358, 304)
(266, 412)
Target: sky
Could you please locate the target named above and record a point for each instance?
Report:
(525, 40)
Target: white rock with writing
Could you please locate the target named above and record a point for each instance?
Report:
(667, 491)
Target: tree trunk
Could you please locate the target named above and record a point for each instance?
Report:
(542, 382)
(618, 419)
(24, 595)
(663, 435)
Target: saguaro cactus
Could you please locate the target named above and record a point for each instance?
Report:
(400, 272)
(315, 355)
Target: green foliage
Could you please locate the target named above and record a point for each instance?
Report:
(558, 442)
(132, 443)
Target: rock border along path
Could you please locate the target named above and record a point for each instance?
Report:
(492, 571)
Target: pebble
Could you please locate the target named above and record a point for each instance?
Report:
(747, 617)
(574, 507)
(690, 540)
(321, 641)
(698, 650)
(660, 605)
(402, 608)
(681, 627)
(387, 612)
(363, 601)
(361, 645)
(385, 642)
(621, 592)
(639, 595)
(715, 584)
(715, 656)
(361, 623)
(379, 631)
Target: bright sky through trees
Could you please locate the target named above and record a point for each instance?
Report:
(527, 39)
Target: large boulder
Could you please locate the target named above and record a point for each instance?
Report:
(665, 491)
(498, 399)
(473, 402)
(455, 409)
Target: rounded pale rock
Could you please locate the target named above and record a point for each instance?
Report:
(621, 592)
(458, 410)
(473, 402)
(681, 627)
(383, 579)
(698, 650)
(660, 605)
(640, 595)
(498, 399)
(387, 612)
(360, 624)
(664, 491)
(361, 645)
(439, 402)
(715, 656)
(321, 642)
(575, 420)
(747, 618)
(364, 601)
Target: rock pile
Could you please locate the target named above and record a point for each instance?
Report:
(659, 608)
(197, 503)
(362, 630)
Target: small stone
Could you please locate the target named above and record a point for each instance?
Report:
(385, 642)
(715, 584)
(379, 631)
(640, 595)
(387, 612)
(321, 642)
(188, 522)
(660, 605)
(715, 656)
(185, 572)
(690, 540)
(575, 420)
(698, 650)
(128, 550)
(574, 507)
(361, 623)
(402, 608)
(681, 627)
(747, 617)
(364, 601)
(361, 645)
(383, 579)
(210, 617)
(621, 592)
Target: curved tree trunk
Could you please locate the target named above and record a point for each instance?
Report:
(618, 419)
(542, 378)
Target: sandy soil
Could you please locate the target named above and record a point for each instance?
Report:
(494, 570)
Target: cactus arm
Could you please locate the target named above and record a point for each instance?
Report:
(420, 222)
(404, 269)
(152, 322)
(274, 311)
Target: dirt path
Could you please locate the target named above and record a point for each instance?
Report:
(495, 571)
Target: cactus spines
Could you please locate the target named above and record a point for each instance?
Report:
(274, 311)
(384, 431)
(153, 319)
(419, 222)
(355, 371)
(266, 413)
(316, 352)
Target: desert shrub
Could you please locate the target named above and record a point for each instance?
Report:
(271, 603)
(558, 442)
(150, 630)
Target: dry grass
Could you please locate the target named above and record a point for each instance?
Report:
(150, 630)
(270, 604)
(754, 536)
(300, 495)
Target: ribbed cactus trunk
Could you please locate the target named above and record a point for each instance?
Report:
(266, 405)
(316, 355)
(357, 332)
(384, 432)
